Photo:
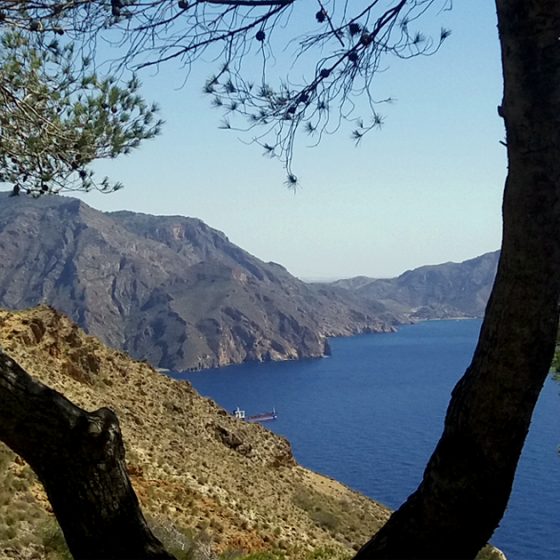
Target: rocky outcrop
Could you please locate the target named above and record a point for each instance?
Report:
(168, 289)
(442, 291)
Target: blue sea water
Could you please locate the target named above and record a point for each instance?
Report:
(371, 414)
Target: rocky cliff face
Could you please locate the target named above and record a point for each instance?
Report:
(203, 477)
(168, 289)
(433, 292)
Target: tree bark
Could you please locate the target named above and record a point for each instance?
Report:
(468, 480)
(79, 458)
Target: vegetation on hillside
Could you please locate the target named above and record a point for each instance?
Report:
(208, 483)
(28, 526)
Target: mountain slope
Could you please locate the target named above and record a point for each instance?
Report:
(167, 289)
(433, 292)
(208, 483)
(200, 474)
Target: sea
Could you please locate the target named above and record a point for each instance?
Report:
(371, 414)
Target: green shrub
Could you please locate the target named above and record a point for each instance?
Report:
(6, 457)
(54, 543)
(184, 544)
(325, 519)
(7, 533)
(325, 513)
(263, 556)
(327, 554)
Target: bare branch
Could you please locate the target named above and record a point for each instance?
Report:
(344, 43)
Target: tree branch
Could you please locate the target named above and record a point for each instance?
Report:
(79, 458)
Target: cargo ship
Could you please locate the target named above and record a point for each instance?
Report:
(262, 417)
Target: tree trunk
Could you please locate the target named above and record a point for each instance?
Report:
(79, 458)
(468, 480)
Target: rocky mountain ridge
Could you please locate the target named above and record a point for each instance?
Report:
(449, 290)
(168, 289)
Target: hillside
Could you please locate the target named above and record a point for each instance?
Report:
(442, 291)
(208, 483)
(168, 289)
(200, 474)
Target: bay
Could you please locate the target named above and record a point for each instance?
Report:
(371, 414)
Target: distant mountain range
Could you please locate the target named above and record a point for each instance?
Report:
(177, 293)
(169, 289)
(432, 292)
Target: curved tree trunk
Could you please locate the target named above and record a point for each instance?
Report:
(79, 458)
(468, 480)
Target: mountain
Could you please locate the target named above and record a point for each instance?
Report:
(432, 292)
(168, 289)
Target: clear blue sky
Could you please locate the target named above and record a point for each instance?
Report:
(425, 189)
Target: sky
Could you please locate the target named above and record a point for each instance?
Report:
(425, 189)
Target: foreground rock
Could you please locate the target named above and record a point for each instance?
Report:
(168, 289)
